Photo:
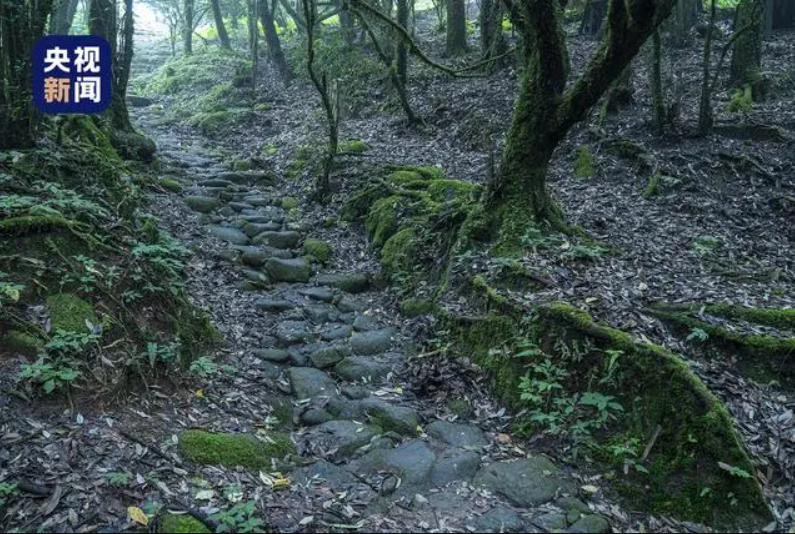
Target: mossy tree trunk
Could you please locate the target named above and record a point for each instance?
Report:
(62, 17)
(187, 30)
(22, 22)
(684, 18)
(401, 52)
(705, 114)
(220, 27)
(492, 41)
(747, 52)
(657, 93)
(103, 23)
(545, 111)
(592, 17)
(456, 27)
(275, 51)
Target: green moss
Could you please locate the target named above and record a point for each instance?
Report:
(652, 188)
(584, 166)
(358, 204)
(461, 408)
(23, 343)
(217, 122)
(775, 317)
(182, 524)
(171, 185)
(232, 450)
(242, 165)
(27, 224)
(356, 146)
(742, 99)
(382, 219)
(289, 203)
(425, 173)
(408, 179)
(398, 252)
(70, 313)
(262, 106)
(445, 190)
(413, 307)
(320, 250)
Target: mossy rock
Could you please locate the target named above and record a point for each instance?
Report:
(171, 185)
(262, 106)
(242, 165)
(382, 219)
(398, 253)
(182, 524)
(355, 146)
(70, 313)
(289, 203)
(320, 250)
(358, 204)
(218, 122)
(446, 190)
(414, 307)
(425, 173)
(22, 343)
(233, 450)
(584, 165)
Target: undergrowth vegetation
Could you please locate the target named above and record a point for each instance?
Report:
(91, 291)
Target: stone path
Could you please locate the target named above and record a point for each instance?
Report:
(357, 432)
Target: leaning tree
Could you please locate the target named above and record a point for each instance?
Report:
(548, 107)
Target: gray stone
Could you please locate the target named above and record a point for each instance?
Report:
(255, 229)
(229, 234)
(317, 293)
(552, 521)
(356, 369)
(344, 437)
(526, 483)
(363, 323)
(240, 206)
(336, 332)
(270, 370)
(293, 332)
(457, 434)
(215, 183)
(346, 305)
(350, 283)
(412, 462)
(298, 358)
(259, 278)
(273, 355)
(454, 464)
(388, 416)
(202, 204)
(499, 519)
(320, 313)
(293, 270)
(325, 474)
(315, 416)
(327, 357)
(248, 177)
(139, 101)
(278, 239)
(356, 392)
(273, 305)
(375, 342)
(254, 258)
(308, 383)
(591, 523)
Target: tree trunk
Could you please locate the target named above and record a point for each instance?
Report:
(348, 26)
(401, 52)
(593, 16)
(545, 111)
(705, 116)
(747, 53)
(187, 31)
(20, 27)
(103, 23)
(492, 41)
(275, 52)
(621, 94)
(253, 38)
(657, 94)
(62, 17)
(456, 27)
(223, 36)
(684, 18)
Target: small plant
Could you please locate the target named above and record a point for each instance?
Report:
(239, 518)
(204, 367)
(119, 478)
(735, 471)
(50, 374)
(626, 453)
(159, 353)
(698, 334)
(7, 490)
(742, 100)
(706, 244)
(585, 252)
(584, 164)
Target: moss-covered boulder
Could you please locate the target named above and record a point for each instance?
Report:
(182, 524)
(233, 450)
(171, 185)
(320, 250)
(70, 313)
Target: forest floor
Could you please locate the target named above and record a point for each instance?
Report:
(720, 229)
